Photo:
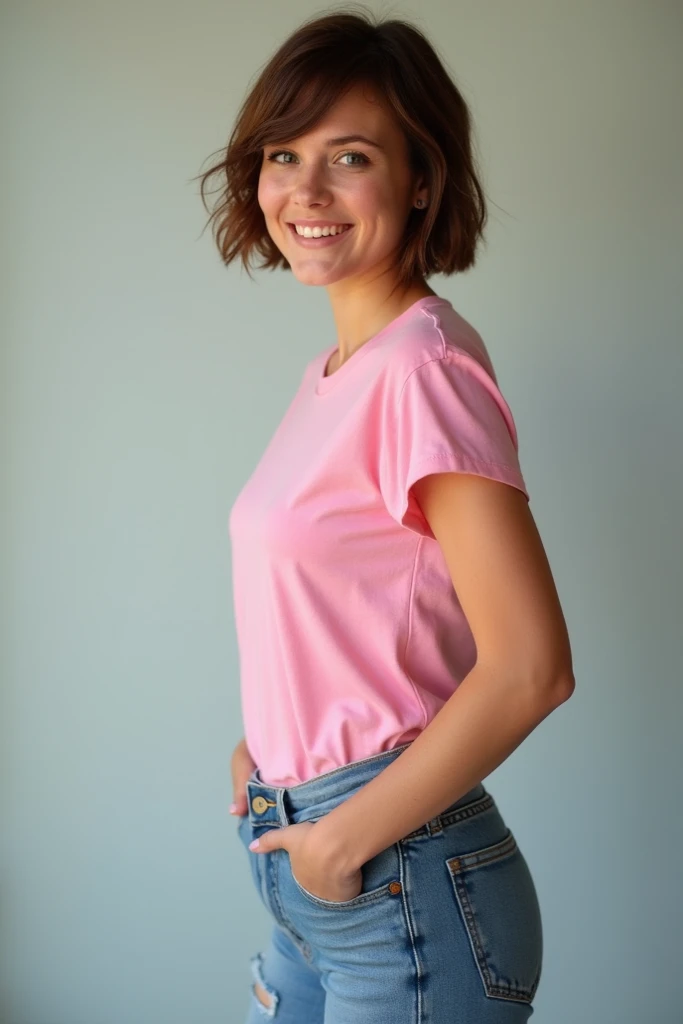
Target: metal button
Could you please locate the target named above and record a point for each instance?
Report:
(259, 804)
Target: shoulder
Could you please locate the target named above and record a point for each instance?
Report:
(436, 340)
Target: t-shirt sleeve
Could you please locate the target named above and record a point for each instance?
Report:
(448, 416)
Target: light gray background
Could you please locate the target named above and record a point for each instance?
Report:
(140, 383)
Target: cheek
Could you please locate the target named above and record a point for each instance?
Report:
(269, 195)
(374, 202)
(366, 196)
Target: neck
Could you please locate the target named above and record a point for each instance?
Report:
(363, 311)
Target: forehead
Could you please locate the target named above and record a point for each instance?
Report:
(361, 110)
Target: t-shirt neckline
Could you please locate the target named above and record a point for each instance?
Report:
(325, 384)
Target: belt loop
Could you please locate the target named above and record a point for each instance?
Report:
(434, 827)
(281, 812)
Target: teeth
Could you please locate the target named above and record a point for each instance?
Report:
(335, 229)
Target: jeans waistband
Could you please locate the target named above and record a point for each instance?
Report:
(286, 805)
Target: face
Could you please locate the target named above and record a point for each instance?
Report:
(369, 190)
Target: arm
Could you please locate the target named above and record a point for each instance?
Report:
(523, 670)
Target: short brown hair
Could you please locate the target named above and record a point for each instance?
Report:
(308, 73)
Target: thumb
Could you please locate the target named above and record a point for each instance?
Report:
(239, 804)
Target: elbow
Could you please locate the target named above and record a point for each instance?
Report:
(547, 688)
(559, 689)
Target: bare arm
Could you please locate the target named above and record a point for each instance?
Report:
(523, 671)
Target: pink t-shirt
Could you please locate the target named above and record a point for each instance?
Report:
(350, 633)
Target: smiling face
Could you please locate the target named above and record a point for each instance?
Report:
(329, 176)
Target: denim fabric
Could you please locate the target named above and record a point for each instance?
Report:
(446, 929)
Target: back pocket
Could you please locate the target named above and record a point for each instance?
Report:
(497, 900)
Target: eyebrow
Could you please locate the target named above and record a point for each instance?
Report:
(344, 139)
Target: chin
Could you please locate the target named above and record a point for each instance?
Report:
(319, 279)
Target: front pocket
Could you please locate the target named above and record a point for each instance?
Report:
(382, 867)
(497, 900)
(362, 897)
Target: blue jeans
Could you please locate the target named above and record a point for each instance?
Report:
(446, 929)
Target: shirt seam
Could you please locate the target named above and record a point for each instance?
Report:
(445, 352)
(463, 358)
(411, 589)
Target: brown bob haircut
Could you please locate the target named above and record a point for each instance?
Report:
(309, 72)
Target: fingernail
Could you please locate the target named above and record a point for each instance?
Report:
(253, 845)
(233, 808)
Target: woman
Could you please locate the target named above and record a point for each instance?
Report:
(398, 626)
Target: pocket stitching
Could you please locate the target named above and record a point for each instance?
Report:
(487, 855)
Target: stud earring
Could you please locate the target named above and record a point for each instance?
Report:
(420, 203)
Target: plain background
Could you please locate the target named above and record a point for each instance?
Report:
(141, 381)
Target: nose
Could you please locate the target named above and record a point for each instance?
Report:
(311, 187)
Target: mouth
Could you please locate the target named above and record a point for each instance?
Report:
(321, 241)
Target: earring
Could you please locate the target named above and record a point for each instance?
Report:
(420, 203)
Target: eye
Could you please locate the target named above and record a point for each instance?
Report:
(363, 158)
(280, 152)
(285, 152)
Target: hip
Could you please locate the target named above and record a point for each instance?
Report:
(449, 910)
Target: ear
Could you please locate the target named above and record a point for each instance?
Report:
(421, 189)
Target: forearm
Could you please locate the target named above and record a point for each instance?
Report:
(480, 725)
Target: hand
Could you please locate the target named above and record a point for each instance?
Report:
(310, 863)
(241, 766)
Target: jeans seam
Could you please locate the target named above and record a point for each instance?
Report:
(278, 911)
(419, 972)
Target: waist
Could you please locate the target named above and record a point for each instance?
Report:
(275, 806)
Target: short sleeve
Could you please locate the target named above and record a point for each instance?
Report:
(448, 416)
